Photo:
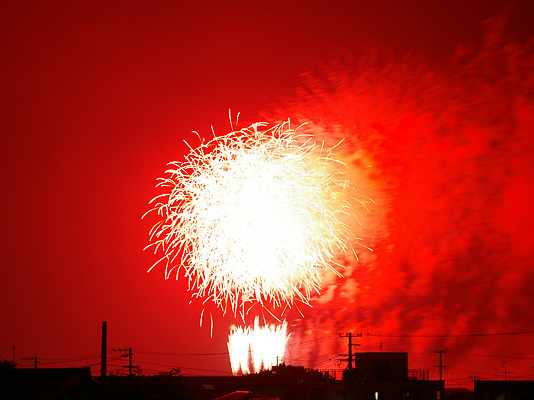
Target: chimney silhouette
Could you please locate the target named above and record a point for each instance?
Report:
(103, 356)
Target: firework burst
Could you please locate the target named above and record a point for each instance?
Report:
(253, 217)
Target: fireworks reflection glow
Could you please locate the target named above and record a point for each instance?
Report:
(257, 348)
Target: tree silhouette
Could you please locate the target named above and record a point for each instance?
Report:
(5, 364)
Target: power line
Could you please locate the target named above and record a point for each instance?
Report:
(494, 355)
(159, 365)
(315, 341)
(462, 335)
(205, 370)
(84, 357)
(180, 354)
(69, 361)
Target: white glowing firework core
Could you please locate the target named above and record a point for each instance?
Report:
(253, 217)
(257, 348)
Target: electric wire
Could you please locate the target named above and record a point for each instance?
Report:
(459, 335)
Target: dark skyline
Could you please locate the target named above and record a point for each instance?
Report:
(97, 98)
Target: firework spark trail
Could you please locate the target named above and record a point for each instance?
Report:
(239, 350)
(262, 347)
(253, 217)
(268, 344)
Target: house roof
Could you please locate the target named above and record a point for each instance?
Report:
(244, 395)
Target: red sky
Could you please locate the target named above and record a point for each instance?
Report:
(98, 97)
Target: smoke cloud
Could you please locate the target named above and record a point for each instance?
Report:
(444, 149)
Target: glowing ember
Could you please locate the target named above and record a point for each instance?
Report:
(259, 347)
(253, 217)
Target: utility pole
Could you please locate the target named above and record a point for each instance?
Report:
(350, 374)
(380, 347)
(129, 355)
(504, 362)
(130, 373)
(350, 336)
(440, 362)
(34, 358)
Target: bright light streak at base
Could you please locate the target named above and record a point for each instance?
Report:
(253, 217)
(258, 348)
